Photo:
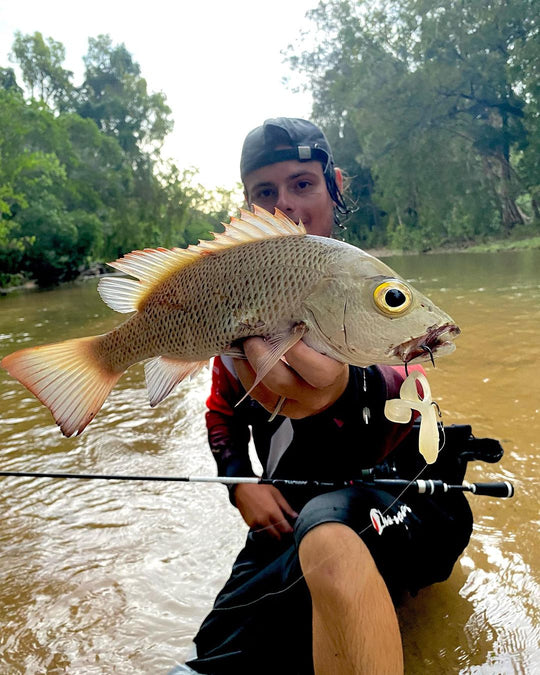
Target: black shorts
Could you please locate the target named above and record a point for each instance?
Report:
(261, 620)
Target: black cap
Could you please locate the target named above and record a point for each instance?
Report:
(305, 140)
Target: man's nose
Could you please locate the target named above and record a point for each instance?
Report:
(285, 201)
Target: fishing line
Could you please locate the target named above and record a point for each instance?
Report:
(504, 489)
(321, 562)
(359, 533)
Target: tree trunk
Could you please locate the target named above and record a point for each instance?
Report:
(509, 210)
(510, 213)
(535, 209)
(498, 171)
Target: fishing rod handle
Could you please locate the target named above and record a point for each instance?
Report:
(431, 487)
(502, 490)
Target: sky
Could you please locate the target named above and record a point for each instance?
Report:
(219, 63)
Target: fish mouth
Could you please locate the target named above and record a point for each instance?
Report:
(436, 340)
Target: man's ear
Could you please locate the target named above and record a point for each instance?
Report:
(246, 200)
(339, 178)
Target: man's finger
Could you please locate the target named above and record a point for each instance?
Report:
(302, 398)
(280, 379)
(284, 526)
(307, 366)
(285, 506)
(316, 369)
(270, 530)
(261, 393)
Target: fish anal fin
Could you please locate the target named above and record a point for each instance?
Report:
(67, 377)
(164, 373)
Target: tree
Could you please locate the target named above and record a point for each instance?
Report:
(434, 101)
(46, 230)
(115, 96)
(41, 65)
(467, 51)
(77, 188)
(8, 80)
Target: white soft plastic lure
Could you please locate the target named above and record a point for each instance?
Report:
(400, 409)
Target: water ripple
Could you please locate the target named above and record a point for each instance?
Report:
(113, 578)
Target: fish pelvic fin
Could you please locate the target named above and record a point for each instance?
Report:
(278, 346)
(163, 374)
(153, 266)
(67, 377)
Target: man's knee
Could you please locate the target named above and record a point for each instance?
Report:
(333, 556)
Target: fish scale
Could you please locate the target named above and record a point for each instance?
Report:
(263, 276)
(225, 297)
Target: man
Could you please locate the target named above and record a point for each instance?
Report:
(312, 589)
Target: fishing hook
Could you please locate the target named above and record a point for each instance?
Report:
(428, 349)
(424, 348)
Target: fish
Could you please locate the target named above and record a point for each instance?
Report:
(263, 276)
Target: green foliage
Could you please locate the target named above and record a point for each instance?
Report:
(115, 96)
(8, 81)
(41, 65)
(81, 180)
(433, 110)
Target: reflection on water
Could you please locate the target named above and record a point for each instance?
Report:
(488, 382)
(109, 577)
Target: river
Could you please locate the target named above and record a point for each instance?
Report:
(111, 577)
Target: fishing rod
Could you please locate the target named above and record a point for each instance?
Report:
(502, 489)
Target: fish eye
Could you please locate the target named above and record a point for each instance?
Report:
(393, 297)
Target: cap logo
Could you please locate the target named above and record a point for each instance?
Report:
(304, 152)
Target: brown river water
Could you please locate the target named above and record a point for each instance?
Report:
(115, 577)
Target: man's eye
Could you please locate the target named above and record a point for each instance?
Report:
(303, 185)
(266, 193)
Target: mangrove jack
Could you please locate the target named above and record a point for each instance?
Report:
(264, 276)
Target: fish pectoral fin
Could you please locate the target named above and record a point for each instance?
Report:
(236, 352)
(164, 373)
(278, 346)
(68, 377)
(120, 293)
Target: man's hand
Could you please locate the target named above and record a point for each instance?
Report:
(310, 381)
(264, 507)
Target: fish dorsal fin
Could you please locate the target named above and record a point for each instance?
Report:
(154, 265)
(250, 227)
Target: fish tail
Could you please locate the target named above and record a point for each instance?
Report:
(71, 378)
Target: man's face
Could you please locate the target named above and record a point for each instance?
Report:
(296, 188)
